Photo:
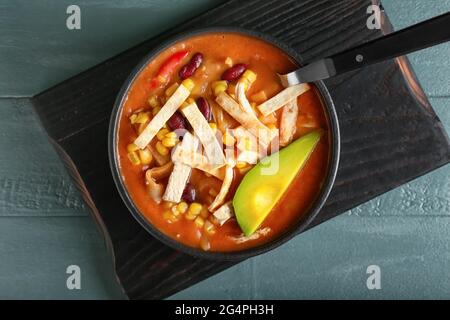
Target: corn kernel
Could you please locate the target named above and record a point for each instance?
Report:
(142, 117)
(249, 75)
(195, 208)
(248, 144)
(134, 158)
(190, 216)
(245, 82)
(219, 89)
(259, 97)
(171, 135)
(153, 101)
(145, 156)
(155, 111)
(133, 118)
(182, 207)
(190, 100)
(162, 133)
(132, 147)
(209, 227)
(217, 83)
(221, 83)
(170, 90)
(189, 84)
(229, 62)
(169, 142)
(199, 222)
(169, 216)
(245, 144)
(168, 205)
(241, 164)
(228, 139)
(213, 126)
(175, 211)
(162, 150)
(245, 169)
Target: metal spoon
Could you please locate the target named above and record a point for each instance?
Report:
(420, 36)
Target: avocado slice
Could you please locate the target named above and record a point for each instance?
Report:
(264, 185)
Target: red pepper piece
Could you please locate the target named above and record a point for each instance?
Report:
(168, 68)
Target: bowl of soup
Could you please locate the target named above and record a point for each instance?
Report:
(212, 155)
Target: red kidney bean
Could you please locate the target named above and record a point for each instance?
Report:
(177, 122)
(189, 193)
(205, 108)
(197, 60)
(234, 72)
(189, 69)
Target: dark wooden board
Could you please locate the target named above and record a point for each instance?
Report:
(390, 133)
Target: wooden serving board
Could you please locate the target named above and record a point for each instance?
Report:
(390, 133)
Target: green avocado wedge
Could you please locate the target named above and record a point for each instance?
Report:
(264, 185)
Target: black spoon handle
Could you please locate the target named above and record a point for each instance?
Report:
(414, 38)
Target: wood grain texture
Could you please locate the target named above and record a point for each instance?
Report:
(42, 253)
(39, 27)
(431, 70)
(38, 51)
(33, 181)
(389, 136)
(331, 263)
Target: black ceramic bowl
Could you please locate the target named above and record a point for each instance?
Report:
(300, 226)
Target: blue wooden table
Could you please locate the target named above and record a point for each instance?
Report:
(44, 226)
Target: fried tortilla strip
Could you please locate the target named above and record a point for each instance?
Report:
(181, 172)
(248, 121)
(250, 157)
(224, 213)
(203, 131)
(288, 122)
(254, 236)
(158, 173)
(242, 98)
(245, 154)
(154, 189)
(282, 98)
(219, 173)
(254, 154)
(197, 161)
(220, 198)
(171, 106)
(188, 157)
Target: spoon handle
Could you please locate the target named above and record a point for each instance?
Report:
(414, 38)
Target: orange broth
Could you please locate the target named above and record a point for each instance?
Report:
(265, 60)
